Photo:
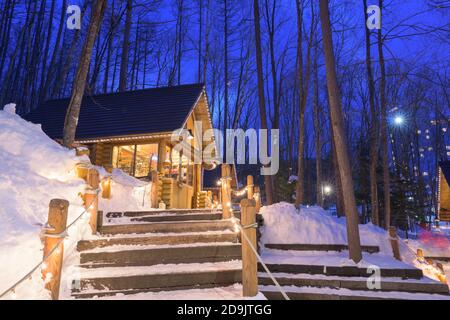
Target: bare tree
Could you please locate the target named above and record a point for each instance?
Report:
(261, 98)
(125, 48)
(343, 160)
(373, 127)
(73, 110)
(384, 131)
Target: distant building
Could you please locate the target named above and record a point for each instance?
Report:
(444, 191)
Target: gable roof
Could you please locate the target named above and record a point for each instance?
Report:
(137, 112)
(445, 167)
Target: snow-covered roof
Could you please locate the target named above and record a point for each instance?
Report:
(148, 111)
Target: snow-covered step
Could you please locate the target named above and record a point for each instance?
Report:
(386, 284)
(163, 277)
(122, 256)
(311, 293)
(318, 247)
(179, 212)
(233, 292)
(169, 227)
(178, 217)
(162, 239)
(345, 271)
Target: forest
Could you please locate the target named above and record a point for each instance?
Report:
(266, 64)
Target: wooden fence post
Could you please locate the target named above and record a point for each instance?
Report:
(106, 188)
(249, 187)
(257, 196)
(154, 192)
(249, 261)
(82, 170)
(57, 221)
(91, 198)
(226, 192)
(394, 243)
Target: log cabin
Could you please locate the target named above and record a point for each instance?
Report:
(444, 191)
(132, 131)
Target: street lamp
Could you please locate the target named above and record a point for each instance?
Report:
(326, 190)
(398, 120)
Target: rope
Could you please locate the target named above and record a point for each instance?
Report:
(285, 296)
(54, 249)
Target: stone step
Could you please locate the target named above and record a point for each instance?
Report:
(159, 240)
(344, 271)
(179, 217)
(156, 282)
(359, 284)
(168, 227)
(164, 255)
(437, 258)
(132, 214)
(330, 294)
(318, 247)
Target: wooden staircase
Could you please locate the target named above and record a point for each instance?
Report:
(159, 251)
(319, 281)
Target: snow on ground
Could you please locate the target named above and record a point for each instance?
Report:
(33, 170)
(127, 193)
(338, 259)
(283, 223)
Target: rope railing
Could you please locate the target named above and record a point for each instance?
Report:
(41, 264)
(258, 256)
(253, 196)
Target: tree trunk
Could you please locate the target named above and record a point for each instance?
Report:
(343, 160)
(384, 133)
(317, 131)
(261, 98)
(73, 111)
(125, 48)
(373, 128)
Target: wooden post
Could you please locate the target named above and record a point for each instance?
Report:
(249, 187)
(420, 256)
(82, 170)
(394, 243)
(51, 269)
(226, 192)
(155, 185)
(106, 188)
(249, 261)
(91, 198)
(257, 197)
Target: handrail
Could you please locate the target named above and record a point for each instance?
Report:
(54, 249)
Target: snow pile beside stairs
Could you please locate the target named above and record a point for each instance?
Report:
(33, 170)
(283, 223)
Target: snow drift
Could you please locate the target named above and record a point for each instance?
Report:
(283, 223)
(33, 170)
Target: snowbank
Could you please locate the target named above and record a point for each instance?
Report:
(33, 170)
(283, 223)
(127, 194)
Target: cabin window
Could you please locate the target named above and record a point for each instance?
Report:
(182, 165)
(136, 160)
